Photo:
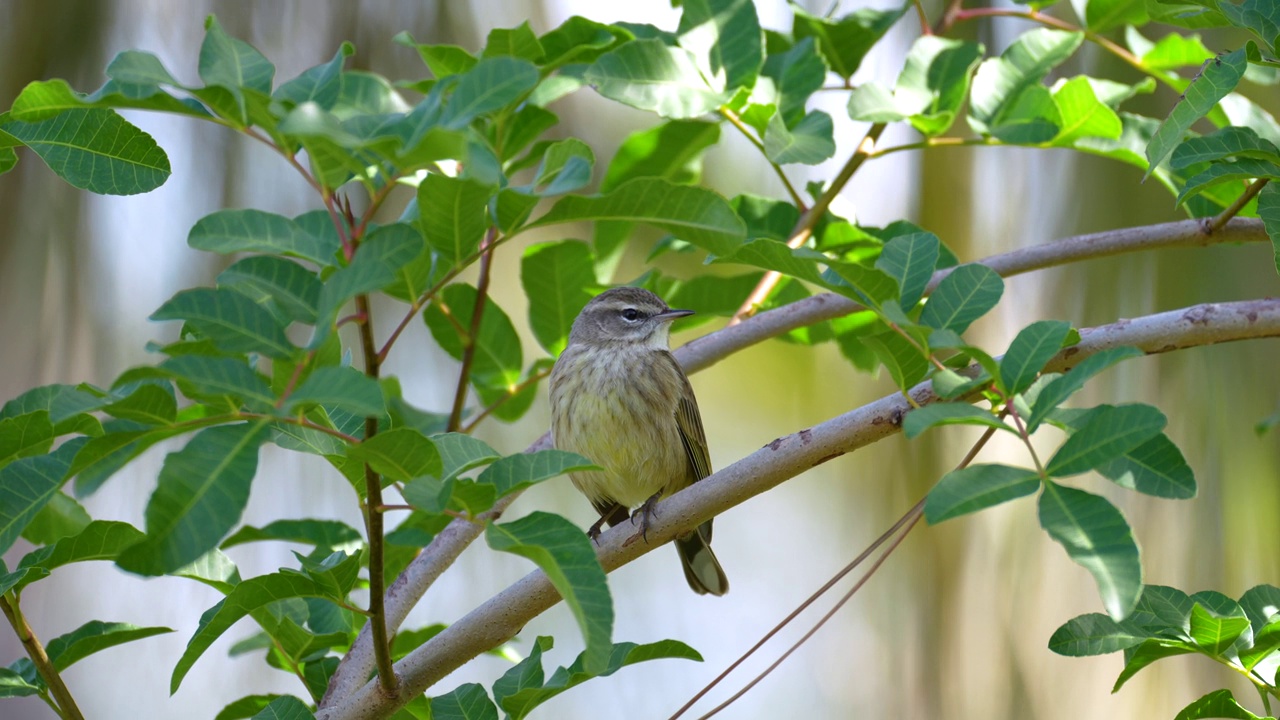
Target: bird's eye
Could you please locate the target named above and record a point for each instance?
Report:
(630, 314)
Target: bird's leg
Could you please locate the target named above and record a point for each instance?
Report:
(610, 512)
(593, 532)
(646, 512)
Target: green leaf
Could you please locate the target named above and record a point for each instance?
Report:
(382, 254)
(1063, 387)
(341, 387)
(1217, 704)
(964, 295)
(321, 84)
(1243, 169)
(497, 357)
(1103, 15)
(67, 406)
(494, 83)
(555, 277)
(400, 454)
(566, 166)
(201, 494)
(327, 534)
(516, 42)
(651, 75)
(519, 703)
(94, 636)
(1219, 77)
(1096, 537)
(934, 414)
(99, 540)
(215, 377)
(516, 472)
(465, 702)
(235, 231)
(1163, 611)
(1000, 84)
(672, 150)
(27, 485)
(1034, 346)
(233, 321)
(460, 453)
(810, 141)
(930, 91)
(977, 487)
(1094, 634)
(1083, 114)
(94, 149)
(1225, 143)
(150, 404)
(441, 60)
(291, 287)
(61, 517)
(1214, 633)
(727, 34)
(1148, 652)
(578, 40)
(242, 599)
(844, 42)
(1109, 432)
(566, 555)
(12, 684)
(797, 74)
(1156, 467)
(453, 215)
(910, 259)
(694, 214)
(904, 361)
(1269, 211)
(235, 66)
(25, 435)
(1261, 603)
(1261, 17)
(1171, 52)
(285, 707)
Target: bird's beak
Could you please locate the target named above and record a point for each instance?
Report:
(670, 315)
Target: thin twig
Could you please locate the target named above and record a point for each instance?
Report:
(737, 122)
(1212, 225)
(906, 517)
(924, 19)
(809, 219)
(469, 340)
(373, 521)
(914, 516)
(520, 387)
(66, 703)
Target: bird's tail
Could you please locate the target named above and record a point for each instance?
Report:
(701, 568)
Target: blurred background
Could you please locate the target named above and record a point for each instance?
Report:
(956, 623)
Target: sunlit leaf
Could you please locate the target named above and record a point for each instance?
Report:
(977, 487)
(1096, 537)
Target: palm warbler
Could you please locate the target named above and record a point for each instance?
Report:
(619, 398)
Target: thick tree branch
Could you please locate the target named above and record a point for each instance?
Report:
(709, 349)
(503, 615)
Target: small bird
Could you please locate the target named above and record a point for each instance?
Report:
(619, 398)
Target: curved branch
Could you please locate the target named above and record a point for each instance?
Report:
(709, 349)
(502, 616)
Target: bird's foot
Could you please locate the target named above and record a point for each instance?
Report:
(593, 532)
(646, 512)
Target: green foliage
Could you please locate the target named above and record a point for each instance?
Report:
(479, 145)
